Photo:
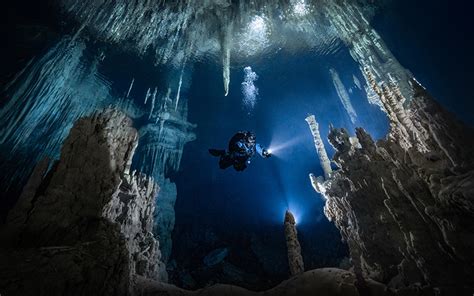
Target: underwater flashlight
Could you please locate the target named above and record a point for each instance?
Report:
(267, 153)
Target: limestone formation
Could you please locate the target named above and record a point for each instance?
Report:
(295, 260)
(367, 47)
(162, 141)
(404, 204)
(319, 144)
(83, 227)
(343, 95)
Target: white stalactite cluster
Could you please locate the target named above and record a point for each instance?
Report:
(46, 100)
(367, 48)
(163, 135)
(160, 151)
(180, 31)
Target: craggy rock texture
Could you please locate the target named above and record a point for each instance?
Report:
(295, 260)
(84, 226)
(324, 282)
(405, 204)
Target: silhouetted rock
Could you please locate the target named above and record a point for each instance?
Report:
(326, 281)
(84, 226)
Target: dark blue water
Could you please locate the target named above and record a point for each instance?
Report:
(233, 204)
(290, 88)
(433, 39)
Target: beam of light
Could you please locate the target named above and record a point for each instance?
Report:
(278, 146)
(294, 209)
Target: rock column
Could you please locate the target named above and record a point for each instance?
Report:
(295, 260)
(318, 143)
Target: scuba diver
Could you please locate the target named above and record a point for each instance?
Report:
(242, 147)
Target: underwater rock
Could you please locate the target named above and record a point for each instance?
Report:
(404, 204)
(216, 256)
(84, 225)
(295, 260)
(162, 141)
(164, 216)
(325, 281)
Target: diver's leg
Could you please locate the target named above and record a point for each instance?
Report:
(216, 152)
(225, 162)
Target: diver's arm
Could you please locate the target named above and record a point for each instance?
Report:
(261, 151)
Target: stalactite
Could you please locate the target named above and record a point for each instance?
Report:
(357, 82)
(153, 98)
(130, 88)
(226, 48)
(343, 95)
(367, 47)
(45, 101)
(147, 96)
(177, 31)
(178, 92)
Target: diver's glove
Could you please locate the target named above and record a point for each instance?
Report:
(266, 153)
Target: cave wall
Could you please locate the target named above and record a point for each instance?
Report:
(404, 204)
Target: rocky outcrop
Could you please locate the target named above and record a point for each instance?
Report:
(405, 204)
(83, 227)
(295, 260)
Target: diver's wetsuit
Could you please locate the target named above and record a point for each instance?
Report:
(242, 147)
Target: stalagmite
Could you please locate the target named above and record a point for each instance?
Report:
(295, 260)
(343, 95)
(404, 203)
(318, 143)
(130, 88)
